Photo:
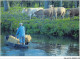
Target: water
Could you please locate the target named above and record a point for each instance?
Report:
(42, 45)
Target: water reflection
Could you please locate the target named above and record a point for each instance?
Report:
(73, 50)
(56, 46)
(42, 45)
(22, 52)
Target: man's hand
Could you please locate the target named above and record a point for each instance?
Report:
(16, 36)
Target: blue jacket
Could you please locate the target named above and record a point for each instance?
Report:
(21, 31)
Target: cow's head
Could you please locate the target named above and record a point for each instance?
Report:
(50, 6)
(24, 10)
(68, 12)
(34, 15)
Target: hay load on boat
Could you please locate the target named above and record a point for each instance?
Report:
(14, 42)
(27, 38)
(13, 39)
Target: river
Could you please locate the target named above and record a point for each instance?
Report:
(42, 45)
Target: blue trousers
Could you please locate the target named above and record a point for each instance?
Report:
(22, 39)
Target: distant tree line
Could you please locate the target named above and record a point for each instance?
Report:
(45, 3)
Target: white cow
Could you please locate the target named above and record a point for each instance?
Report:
(59, 11)
(30, 11)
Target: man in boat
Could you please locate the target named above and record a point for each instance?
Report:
(21, 33)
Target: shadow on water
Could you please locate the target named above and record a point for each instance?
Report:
(42, 45)
(10, 51)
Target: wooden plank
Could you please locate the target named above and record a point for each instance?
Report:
(16, 45)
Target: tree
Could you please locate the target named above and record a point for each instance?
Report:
(6, 5)
(52, 2)
(39, 3)
(75, 4)
(10, 3)
(22, 3)
(60, 3)
(46, 4)
(71, 4)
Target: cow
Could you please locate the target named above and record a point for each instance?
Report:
(44, 12)
(30, 11)
(59, 11)
(73, 12)
(52, 11)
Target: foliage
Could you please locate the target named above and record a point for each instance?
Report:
(25, 3)
(61, 27)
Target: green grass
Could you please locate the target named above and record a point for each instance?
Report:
(59, 27)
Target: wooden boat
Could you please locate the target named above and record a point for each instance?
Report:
(12, 44)
(16, 45)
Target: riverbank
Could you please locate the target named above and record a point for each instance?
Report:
(61, 27)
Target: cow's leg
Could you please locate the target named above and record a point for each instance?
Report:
(70, 18)
(56, 16)
(73, 17)
(53, 17)
(62, 16)
(30, 16)
(43, 17)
